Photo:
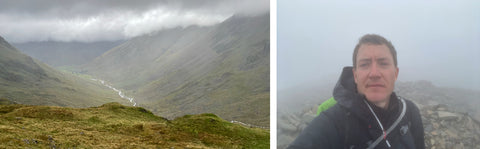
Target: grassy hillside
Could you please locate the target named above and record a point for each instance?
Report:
(28, 81)
(221, 69)
(113, 125)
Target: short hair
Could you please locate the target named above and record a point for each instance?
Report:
(376, 40)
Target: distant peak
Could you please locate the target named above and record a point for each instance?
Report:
(2, 40)
(5, 43)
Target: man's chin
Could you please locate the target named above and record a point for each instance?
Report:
(376, 98)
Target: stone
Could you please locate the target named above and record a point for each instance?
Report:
(429, 112)
(428, 128)
(441, 142)
(436, 125)
(451, 133)
(442, 108)
(443, 134)
(459, 146)
(284, 140)
(287, 128)
(444, 115)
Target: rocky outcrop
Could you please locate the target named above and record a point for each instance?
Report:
(290, 125)
(446, 128)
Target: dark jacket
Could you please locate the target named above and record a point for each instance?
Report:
(350, 124)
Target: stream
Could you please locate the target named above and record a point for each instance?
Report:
(120, 93)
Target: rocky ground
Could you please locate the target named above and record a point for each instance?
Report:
(290, 125)
(445, 128)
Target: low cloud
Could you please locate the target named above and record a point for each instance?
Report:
(88, 21)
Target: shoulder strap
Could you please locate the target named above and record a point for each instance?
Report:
(326, 105)
(380, 138)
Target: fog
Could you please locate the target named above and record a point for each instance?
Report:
(110, 20)
(435, 41)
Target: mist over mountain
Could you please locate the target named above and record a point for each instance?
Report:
(111, 20)
(221, 69)
(57, 54)
(27, 81)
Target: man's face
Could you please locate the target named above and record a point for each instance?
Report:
(375, 73)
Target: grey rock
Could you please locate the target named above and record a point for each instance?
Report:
(444, 115)
(428, 128)
(284, 140)
(449, 129)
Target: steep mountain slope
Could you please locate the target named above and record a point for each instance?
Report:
(58, 54)
(27, 81)
(115, 126)
(221, 69)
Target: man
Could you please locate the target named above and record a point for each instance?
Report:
(366, 113)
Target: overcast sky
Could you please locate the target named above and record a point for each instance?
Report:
(437, 41)
(100, 20)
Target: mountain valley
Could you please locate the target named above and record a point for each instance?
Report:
(221, 69)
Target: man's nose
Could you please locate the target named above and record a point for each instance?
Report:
(374, 73)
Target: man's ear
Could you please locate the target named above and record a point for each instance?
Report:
(354, 74)
(396, 74)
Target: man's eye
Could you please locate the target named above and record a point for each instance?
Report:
(364, 65)
(384, 64)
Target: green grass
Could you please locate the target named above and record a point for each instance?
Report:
(113, 125)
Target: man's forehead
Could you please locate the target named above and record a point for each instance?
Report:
(370, 50)
(376, 58)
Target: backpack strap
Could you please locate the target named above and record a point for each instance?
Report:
(326, 105)
(380, 138)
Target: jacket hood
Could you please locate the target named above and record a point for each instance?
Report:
(345, 92)
(346, 95)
